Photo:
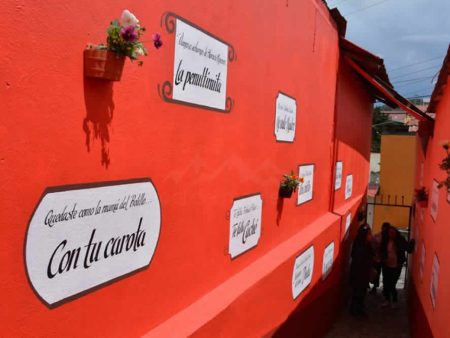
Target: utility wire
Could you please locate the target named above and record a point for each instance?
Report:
(416, 79)
(416, 63)
(367, 7)
(338, 3)
(415, 72)
(423, 85)
(418, 97)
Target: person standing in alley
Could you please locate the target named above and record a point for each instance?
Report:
(360, 268)
(393, 248)
(377, 259)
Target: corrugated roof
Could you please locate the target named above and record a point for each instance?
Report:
(438, 90)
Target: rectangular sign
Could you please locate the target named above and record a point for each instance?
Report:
(302, 272)
(245, 224)
(434, 208)
(338, 178)
(285, 118)
(434, 280)
(200, 67)
(422, 261)
(83, 236)
(305, 190)
(328, 258)
(348, 222)
(348, 186)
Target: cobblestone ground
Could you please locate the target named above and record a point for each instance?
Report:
(381, 322)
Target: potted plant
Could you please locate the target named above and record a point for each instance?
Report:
(289, 184)
(422, 197)
(445, 166)
(106, 61)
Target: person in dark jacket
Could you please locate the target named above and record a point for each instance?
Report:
(362, 256)
(376, 247)
(393, 249)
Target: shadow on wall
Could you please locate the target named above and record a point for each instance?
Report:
(316, 313)
(98, 98)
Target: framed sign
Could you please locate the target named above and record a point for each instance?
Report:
(306, 189)
(434, 208)
(81, 237)
(302, 272)
(200, 67)
(422, 261)
(338, 177)
(348, 222)
(245, 224)
(434, 280)
(348, 186)
(421, 174)
(328, 258)
(285, 117)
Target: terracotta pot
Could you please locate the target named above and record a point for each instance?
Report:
(284, 192)
(103, 64)
(423, 203)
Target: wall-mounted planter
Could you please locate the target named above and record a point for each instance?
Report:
(103, 64)
(423, 203)
(285, 192)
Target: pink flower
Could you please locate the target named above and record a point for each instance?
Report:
(157, 40)
(129, 34)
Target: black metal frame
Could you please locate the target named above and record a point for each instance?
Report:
(396, 204)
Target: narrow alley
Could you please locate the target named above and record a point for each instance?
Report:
(381, 322)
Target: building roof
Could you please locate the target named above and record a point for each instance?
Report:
(372, 69)
(438, 90)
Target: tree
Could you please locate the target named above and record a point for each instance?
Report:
(378, 120)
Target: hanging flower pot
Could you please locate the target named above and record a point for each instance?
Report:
(285, 192)
(289, 184)
(105, 61)
(103, 64)
(423, 203)
(422, 197)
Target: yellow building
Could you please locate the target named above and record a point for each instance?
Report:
(397, 161)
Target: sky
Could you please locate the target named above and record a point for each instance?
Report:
(412, 36)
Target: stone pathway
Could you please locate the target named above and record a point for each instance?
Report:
(381, 322)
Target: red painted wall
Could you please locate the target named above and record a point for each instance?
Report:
(434, 234)
(58, 128)
(353, 127)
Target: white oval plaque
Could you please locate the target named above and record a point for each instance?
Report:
(81, 237)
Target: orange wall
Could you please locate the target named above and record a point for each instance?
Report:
(398, 158)
(198, 160)
(433, 234)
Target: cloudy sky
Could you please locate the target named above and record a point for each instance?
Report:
(412, 36)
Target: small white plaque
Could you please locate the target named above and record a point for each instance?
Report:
(285, 118)
(302, 272)
(245, 224)
(434, 280)
(305, 190)
(328, 258)
(434, 208)
(348, 186)
(338, 179)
